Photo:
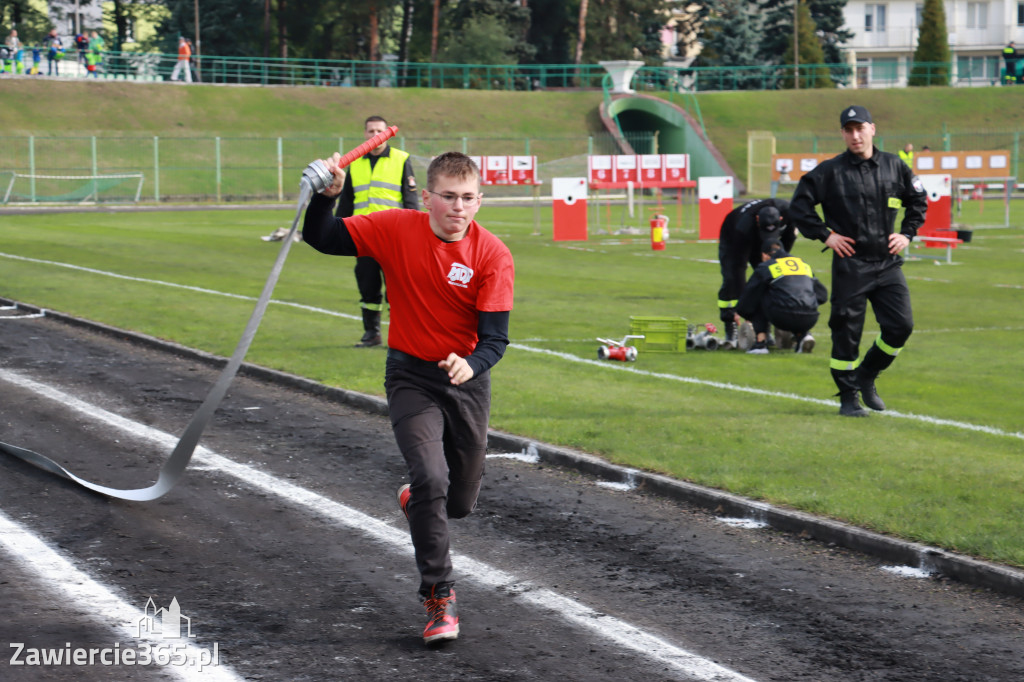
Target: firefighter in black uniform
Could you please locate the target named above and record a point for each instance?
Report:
(861, 192)
(739, 243)
(381, 180)
(783, 291)
(1010, 59)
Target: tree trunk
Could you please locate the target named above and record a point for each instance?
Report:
(374, 33)
(582, 32)
(282, 28)
(433, 31)
(406, 36)
(266, 29)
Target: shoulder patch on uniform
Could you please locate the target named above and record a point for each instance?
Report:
(411, 181)
(918, 185)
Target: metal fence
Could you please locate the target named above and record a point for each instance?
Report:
(236, 169)
(137, 66)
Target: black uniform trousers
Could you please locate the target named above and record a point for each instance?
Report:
(857, 282)
(441, 431)
(370, 281)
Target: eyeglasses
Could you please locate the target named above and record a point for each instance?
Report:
(468, 200)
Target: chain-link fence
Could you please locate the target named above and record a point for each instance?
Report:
(238, 169)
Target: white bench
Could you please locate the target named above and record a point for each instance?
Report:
(949, 243)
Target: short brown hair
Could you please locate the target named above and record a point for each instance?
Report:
(452, 164)
(374, 118)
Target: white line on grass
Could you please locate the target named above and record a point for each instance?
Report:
(101, 604)
(615, 367)
(599, 623)
(565, 356)
(187, 287)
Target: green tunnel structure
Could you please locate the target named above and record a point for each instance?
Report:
(643, 124)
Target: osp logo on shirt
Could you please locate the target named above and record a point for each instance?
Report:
(460, 275)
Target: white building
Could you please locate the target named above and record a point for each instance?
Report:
(885, 37)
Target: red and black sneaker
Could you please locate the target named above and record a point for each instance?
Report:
(443, 613)
(404, 495)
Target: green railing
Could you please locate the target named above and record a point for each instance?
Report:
(347, 73)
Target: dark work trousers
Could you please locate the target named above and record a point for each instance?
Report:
(441, 431)
(733, 258)
(370, 281)
(796, 322)
(856, 282)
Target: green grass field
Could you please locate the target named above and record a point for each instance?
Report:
(944, 468)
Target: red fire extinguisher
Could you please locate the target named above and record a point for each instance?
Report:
(659, 231)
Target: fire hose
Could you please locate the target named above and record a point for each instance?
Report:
(315, 178)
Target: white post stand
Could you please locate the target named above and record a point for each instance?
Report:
(622, 73)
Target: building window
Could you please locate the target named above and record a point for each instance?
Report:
(919, 14)
(1020, 13)
(874, 18)
(974, 69)
(977, 15)
(884, 71)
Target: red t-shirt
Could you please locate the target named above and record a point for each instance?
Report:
(435, 299)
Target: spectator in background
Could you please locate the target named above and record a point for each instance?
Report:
(1010, 57)
(192, 60)
(184, 54)
(907, 155)
(14, 48)
(54, 53)
(82, 43)
(97, 46)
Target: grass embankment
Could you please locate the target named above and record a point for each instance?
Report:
(761, 426)
(43, 107)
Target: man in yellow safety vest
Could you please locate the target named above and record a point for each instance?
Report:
(378, 181)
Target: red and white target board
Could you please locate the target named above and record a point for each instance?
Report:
(507, 170)
(619, 171)
(714, 201)
(938, 221)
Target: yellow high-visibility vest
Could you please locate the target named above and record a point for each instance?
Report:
(379, 188)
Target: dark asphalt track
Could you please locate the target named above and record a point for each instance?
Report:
(291, 555)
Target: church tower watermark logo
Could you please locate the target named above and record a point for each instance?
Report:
(164, 638)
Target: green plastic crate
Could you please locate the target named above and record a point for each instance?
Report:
(661, 334)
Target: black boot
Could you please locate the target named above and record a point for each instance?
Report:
(731, 339)
(849, 403)
(371, 325)
(875, 360)
(868, 392)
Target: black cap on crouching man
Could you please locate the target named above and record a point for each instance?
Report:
(854, 113)
(773, 248)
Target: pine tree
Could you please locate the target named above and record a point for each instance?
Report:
(778, 23)
(812, 57)
(931, 58)
(730, 39)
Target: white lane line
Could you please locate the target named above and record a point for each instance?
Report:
(608, 627)
(173, 285)
(619, 367)
(102, 605)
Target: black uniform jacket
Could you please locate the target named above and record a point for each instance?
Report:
(860, 199)
(789, 285)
